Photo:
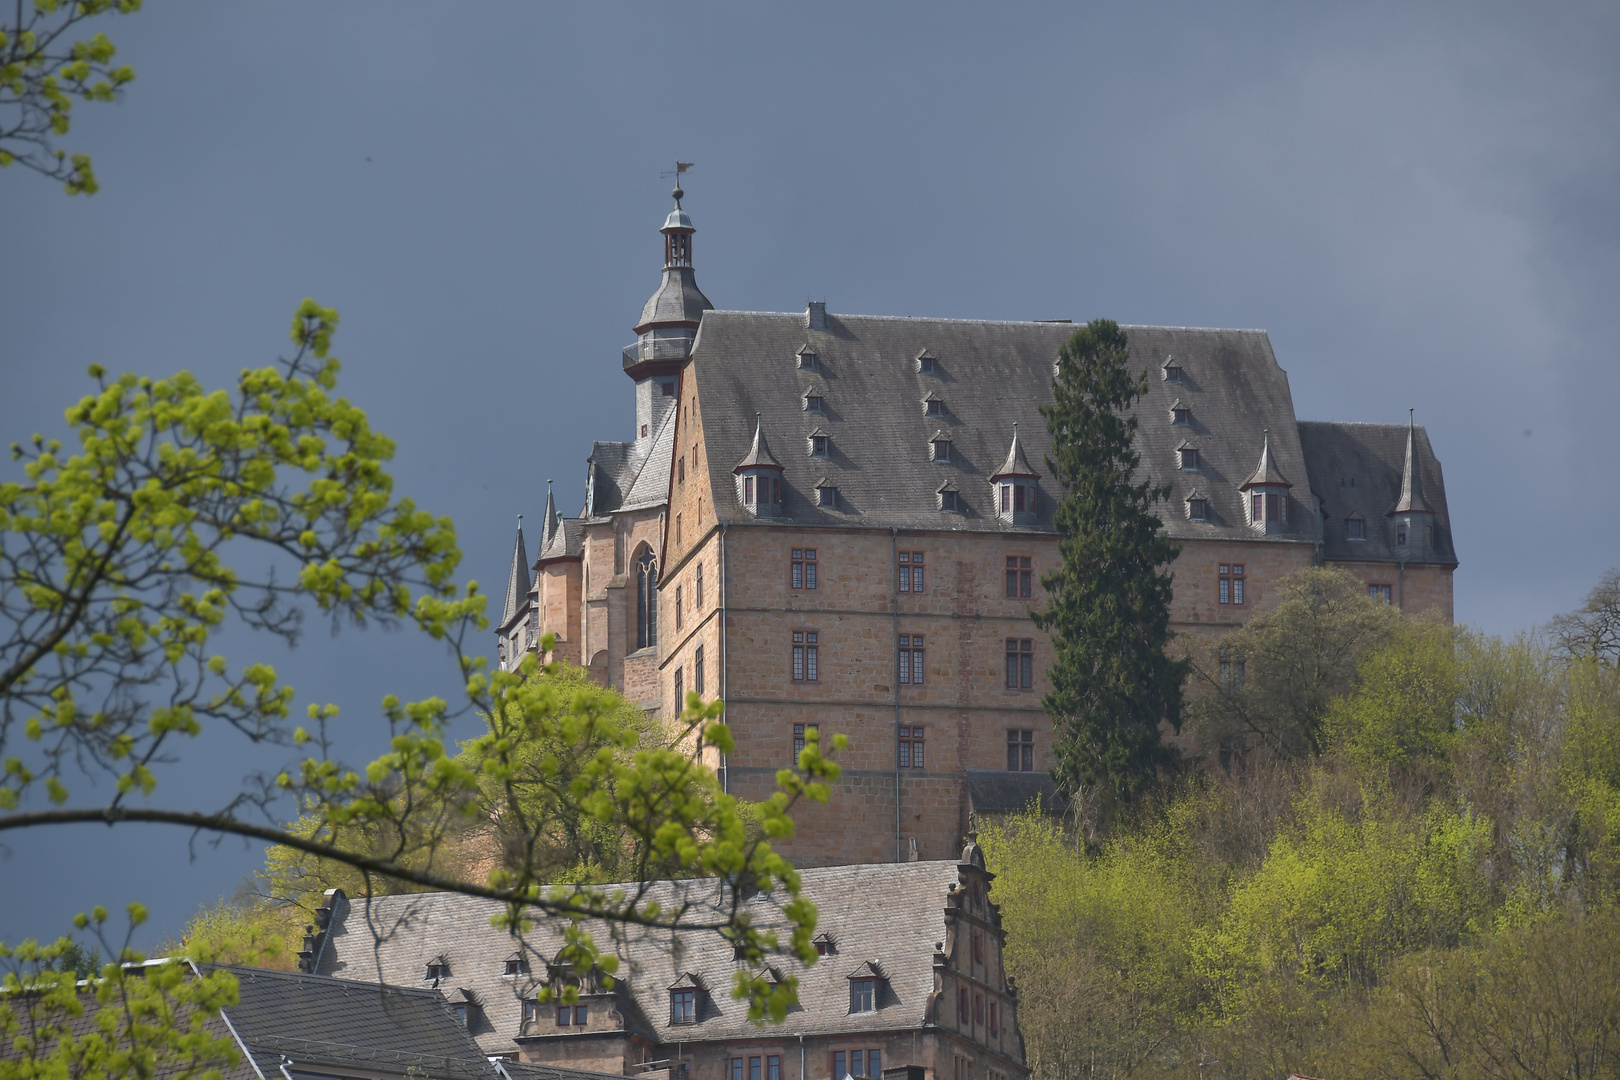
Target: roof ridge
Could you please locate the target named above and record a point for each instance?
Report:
(799, 315)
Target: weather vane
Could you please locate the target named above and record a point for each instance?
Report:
(680, 167)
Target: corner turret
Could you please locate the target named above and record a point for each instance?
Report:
(1412, 519)
(1267, 494)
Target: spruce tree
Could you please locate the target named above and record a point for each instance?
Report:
(1108, 611)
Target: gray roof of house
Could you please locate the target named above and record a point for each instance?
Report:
(318, 1021)
(990, 375)
(1355, 469)
(568, 541)
(890, 913)
(998, 791)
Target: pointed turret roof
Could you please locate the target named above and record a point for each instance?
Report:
(1016, 464)
(759, 455)
(678, 301)
(1267, 471)
(551, 521)
(517, 581)
(1412, 500)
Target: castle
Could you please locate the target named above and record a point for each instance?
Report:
(842, 521)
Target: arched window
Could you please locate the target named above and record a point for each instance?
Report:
(646, 600)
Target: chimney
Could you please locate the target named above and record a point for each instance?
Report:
(816, 314)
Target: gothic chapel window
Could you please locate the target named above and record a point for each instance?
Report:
(646, 600)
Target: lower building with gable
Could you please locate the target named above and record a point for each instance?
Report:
(909, 976)
(840, 523)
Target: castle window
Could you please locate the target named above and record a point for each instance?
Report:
(867, 1063)
(1379, 592)
(1400, 535)
(677, 528)
(1230, 583)
(1233, 672)
(531, 1011)
(678, 606)
(1181, 416)
(1019, 576)
(862, 997)
(935, 408)
(911, 748)
(1198, 509)
(942, 449)
(697, 669)
(812, 403)
(800, 733)
(948, 500)
(1355, 529)
(802, 574)
(806, 656)
(1020, 663)
(1189, 459)
(773, 1068)
(911, 659)
(697, 599)
(824, 944)
(995, 1027)
(578, 1015)
(1020, 750)
(514, 966)
(460, 1009)
(683, 1006)
(911, 571)
(928, 366)
(646, 600)
(826, 495)
(1172, 372)
(643, 431)
(807, 359)
(680, 688)
(438, 969)
(962, 1015)
(680, 469)
(818, 446)
(668, 388)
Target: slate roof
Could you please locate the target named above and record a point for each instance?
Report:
(890, 913)
(567, 542)
(678, 300)
(1355, 470)
(517, 580)
(990, 375)
(998, 791)
(319, 1021)
(651, 484)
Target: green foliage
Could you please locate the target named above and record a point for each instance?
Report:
(1434, 894)
(132, 1020)
(1109, 612)
(42, 71)
(1295, 659)
(241, 931)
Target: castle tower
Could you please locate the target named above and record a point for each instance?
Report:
(514, 635)
(668, 325)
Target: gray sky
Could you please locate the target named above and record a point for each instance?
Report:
(1419, 202)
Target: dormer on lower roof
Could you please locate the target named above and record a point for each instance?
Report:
(1017, 493)
(759, 477)
(1266, 494)
(1411, 522)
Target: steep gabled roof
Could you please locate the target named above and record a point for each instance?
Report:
(1266, 472)
(518, 581)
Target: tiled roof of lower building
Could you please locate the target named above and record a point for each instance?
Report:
(1355, 470)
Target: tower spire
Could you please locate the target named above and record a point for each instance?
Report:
(517, 580)
(550, 522)
(1412, 500)
(669, 320)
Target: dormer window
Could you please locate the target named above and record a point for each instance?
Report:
(1198, 509)
(819, 443)
(1180, 414)
(934, 407)
(515, 965)
(683, 1006)
(1188, 458)
(1355, 529)
(807, 359)
(668, 388)
(438, 969)
(812, 402)
(862, 995)
(949, 498)
(941, 445)
(1400, 534)
(461, 1009)
(826, 494)
(823, 943)
(1270, 506)
(926, 364)
(1172, 370)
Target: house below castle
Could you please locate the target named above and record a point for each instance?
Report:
(840, 522)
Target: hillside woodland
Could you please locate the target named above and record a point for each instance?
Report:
(1400, 857)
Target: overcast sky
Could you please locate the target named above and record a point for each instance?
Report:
(1420, 203)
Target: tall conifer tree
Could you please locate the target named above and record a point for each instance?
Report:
(1109, 608)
